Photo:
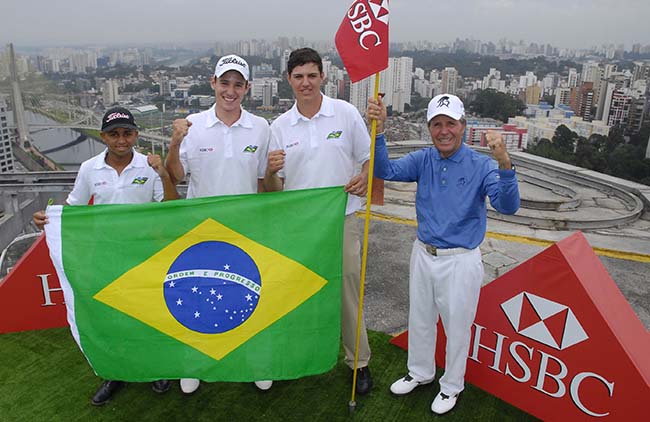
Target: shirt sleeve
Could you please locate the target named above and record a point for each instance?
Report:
(81, 192)
(263, 152)
(183, 152)
(158, 190)
(404, 169)
(502, 188)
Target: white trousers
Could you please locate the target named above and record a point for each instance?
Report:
(449, 287)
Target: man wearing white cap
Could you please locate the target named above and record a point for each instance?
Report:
(223, 149)
(446, 270)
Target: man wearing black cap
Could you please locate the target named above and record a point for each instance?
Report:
(119, 175)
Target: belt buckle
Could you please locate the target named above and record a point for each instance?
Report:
(431, 249)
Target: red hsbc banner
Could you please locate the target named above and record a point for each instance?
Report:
(556, 338)
(362, 38)
(30, 295)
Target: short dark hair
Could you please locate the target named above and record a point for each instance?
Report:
(303, 56)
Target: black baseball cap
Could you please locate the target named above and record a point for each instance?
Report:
(118, 117)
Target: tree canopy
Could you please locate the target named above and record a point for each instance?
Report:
(605, 154)
(495, 104)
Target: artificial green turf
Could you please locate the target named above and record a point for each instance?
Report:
(44, 377)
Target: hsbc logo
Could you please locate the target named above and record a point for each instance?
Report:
(362, 23)
(543, 320)
(554, 325)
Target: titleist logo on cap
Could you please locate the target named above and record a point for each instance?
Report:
(114, 116)
(228, 60)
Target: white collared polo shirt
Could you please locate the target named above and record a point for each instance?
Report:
(138, 183)
(223, 160)
(326, 150)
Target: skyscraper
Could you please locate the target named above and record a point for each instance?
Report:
(110, 92)
(449, 78)
(6, 152)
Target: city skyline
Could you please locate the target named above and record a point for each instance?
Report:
(578, 24)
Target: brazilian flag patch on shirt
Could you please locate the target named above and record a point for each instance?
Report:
(250, 148)
(139, 180)
(335, 134)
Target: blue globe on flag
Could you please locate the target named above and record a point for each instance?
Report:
(212, 287)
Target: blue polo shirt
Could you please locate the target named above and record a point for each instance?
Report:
(450, 198)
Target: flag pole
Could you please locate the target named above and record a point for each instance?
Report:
(364, 255)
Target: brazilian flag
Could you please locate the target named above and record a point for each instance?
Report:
(231, 288)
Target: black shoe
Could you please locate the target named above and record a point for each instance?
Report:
(106, 391)
(364, 380)
(161, 386)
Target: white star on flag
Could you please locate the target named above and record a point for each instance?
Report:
(195, 289)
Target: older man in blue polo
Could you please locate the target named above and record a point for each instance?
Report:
(446, 270)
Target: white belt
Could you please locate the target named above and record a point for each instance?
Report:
(435, 251)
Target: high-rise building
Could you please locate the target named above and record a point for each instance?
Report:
(585, 101)
(361, 91)
(283, 61)
(264, 86)
(402, 74)
(110, 92)
(449, 80)
(605, 93)
(6, 152)
(562, 96)
(395, 82)
(572, 80)
(641, 72)
(619, 109)
(533, 94)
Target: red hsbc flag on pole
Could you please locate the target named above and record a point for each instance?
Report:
(362, 38)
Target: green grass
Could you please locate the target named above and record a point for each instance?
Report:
(44, 377)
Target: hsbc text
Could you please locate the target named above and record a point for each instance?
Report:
(361, 23)
(552, 374)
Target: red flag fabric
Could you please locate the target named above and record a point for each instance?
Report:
(362, 38)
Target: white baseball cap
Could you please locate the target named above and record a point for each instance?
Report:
(447, 104)
(231, 62)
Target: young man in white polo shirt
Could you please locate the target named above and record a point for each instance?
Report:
(222, 149)
(119, 175)
(324, 142)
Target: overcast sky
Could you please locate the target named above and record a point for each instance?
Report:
(563, 23)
